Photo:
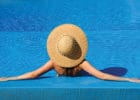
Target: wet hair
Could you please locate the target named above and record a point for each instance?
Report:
(61, 71)
(74, 71)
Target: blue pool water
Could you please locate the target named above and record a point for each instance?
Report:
(113, 31)
(43, 15)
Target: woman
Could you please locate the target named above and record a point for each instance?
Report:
(67, 46)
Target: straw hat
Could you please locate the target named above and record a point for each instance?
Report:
(67, 45)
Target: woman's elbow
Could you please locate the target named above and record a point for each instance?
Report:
(32, 76)
(102, 77)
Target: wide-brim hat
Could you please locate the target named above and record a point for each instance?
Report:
(67, 45)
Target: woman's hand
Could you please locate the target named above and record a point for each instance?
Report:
(136, 80)
(29, 75)
(8, 78)
(3, 79)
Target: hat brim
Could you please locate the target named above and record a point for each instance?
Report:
(55, 36)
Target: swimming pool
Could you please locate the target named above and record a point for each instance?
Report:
(113, 31)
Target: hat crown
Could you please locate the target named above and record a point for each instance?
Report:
(65, 45)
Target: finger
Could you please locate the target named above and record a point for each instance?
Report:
(135, 80)
(3, 79)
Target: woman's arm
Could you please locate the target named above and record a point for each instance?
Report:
(30, 75)
(86, 66)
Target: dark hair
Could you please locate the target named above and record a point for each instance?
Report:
(67, 71)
